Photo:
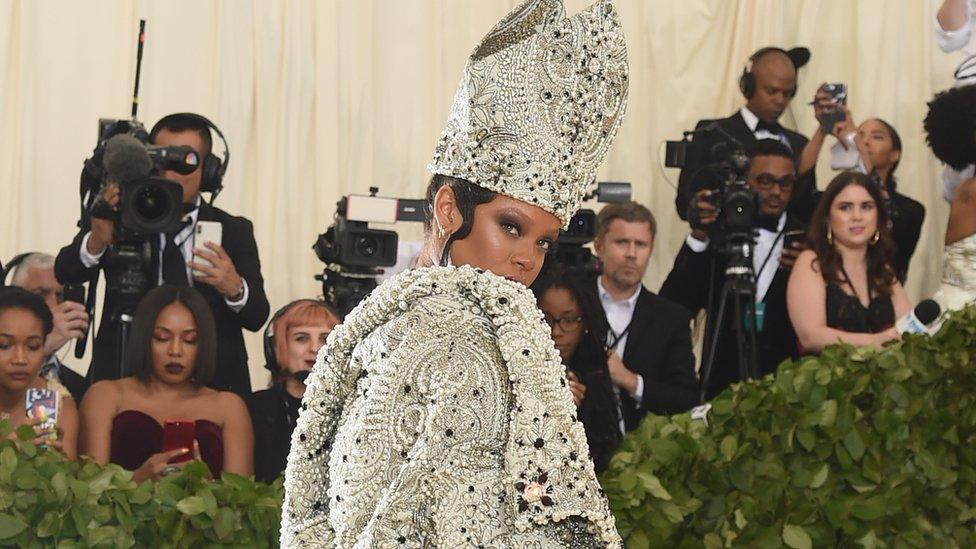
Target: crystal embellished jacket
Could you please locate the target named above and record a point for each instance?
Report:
(438, 415)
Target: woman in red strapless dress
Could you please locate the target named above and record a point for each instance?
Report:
(171, 358)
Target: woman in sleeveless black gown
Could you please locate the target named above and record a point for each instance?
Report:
(844, 289)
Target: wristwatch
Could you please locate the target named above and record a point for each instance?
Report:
(240, 293)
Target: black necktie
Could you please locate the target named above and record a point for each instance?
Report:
(771, 127)
(174, 266)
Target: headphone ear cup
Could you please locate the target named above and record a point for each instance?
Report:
(747, 83)
(270, 360)
(210, 175)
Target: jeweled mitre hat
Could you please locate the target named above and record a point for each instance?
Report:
(538, 105)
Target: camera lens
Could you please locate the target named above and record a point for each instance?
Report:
(367, 246)
(152, 203)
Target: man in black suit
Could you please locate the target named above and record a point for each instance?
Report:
(698, 274)
(231, 282)
(648, 337)
(768, 84)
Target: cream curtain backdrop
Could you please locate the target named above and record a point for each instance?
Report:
(320, 99)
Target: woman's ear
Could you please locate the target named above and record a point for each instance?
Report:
(446, 213)
(896, 156)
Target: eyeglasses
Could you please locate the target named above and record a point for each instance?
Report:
(567, 323)
(766, 181)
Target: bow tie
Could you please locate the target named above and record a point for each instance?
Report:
(771, 127)
(768, 222)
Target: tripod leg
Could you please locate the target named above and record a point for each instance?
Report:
(740, 339)
(711, 340)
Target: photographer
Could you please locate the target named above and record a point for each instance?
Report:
(698, 274)
(231, 283)
(34, 272)
(873, 148)
(768, 84)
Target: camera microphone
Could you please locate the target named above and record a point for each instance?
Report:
(918, 320)
(126, 159)
(302, 375)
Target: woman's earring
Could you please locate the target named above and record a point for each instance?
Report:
(877, 237)
(830, 236)
(440, 230)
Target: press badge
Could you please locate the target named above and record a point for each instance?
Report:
(760, 317)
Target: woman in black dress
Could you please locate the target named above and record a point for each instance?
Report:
(844, 287)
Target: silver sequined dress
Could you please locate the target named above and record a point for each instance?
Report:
(438, 416)
(958, 275)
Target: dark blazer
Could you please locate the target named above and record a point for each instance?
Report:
(696, 175)
(273, 416)
(696, 277)
(232, 372)
(659, 350)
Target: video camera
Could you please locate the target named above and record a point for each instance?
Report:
(353, 253)
(570, 251)
(148, 204)
(736, 202)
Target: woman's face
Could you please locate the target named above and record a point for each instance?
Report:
(509, 237)
(174, 345)
(853, 217)
(21, 349)
(564, 316)
(878, 141)
(303, 344)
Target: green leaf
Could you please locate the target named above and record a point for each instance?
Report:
(820, 476)
(729, 446)
(828, 413)
(191, 505)
(796, 537)
(10, 526)
(854, 444)
(653, 485)
(868, 509)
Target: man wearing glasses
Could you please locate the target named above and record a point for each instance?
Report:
(648, 340)
(698, 274)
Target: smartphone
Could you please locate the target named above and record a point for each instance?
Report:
(179, 434)
(42, 405)
(73, 292)
(838, 95)
(791, 237)
(206, 231)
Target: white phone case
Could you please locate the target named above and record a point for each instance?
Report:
(206, 231)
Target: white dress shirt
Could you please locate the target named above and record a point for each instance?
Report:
(752, 121)
(619, 314)
(768, 244)
(185, 240)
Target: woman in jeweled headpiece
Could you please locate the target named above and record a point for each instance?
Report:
(438, 414)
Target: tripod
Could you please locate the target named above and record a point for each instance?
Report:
(739, 288)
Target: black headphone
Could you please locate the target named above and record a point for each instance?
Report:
(212, 168)
(270, 358)
(747, 82)
(12, 265)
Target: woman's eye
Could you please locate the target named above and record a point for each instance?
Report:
(35, 347)
(161, 338)
(510, 228)
(545, 244)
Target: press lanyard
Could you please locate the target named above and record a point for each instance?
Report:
(615, 339)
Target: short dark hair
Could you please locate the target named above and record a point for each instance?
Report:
(138, 353)
(769, 147)
(631, 212)
(183, 122)
(951, 126)
(467, 195)
(13, 297)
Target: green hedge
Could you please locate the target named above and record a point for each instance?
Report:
(47, 501)
(852, 448)
(856, 447)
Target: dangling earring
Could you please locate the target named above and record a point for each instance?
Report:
(830, 236)
(877, 237)
(440, 230)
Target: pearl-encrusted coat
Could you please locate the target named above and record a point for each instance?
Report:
(438, 415)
